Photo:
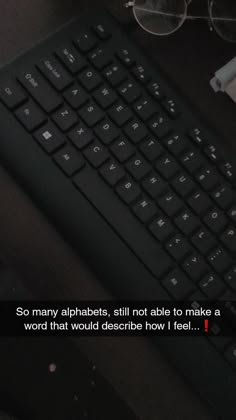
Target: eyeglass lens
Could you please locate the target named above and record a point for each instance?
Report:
(163, 17)
(160, 17)
(223, 17)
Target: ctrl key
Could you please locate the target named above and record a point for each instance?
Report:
(11, 94)
(69, 160)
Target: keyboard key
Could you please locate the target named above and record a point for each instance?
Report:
(223, 196)
(162, 228)
(55, 73)
(141, 73)
(145, 209)
(102, 31)
(129, 91)
(187, 222)
(81, 136)
(122, 149)
(212, 153)
(128, 190)
(145, 108)
(90, 79)
(100, 58)
(220, 342)
(112, 172)
(200, 202)
(228, 171)
(91, 114)
(85, 41)
(71, 58)
(49, 137)
(195, 266)
(135, 130)
(230, 355)
(138, 167)
(96, 154)
(170, 203)
(208, 178)
(176, 144)
(65, 118)
(171, 107)
(212, 286)
(11, 93)
(160, 126)
(228, 307)
(228, 238)
(115, 74)
(178, 247)
(220, 260)
(106, 131)
(30, 116)
(195, 299)
(167, 166)
(69, 160)
(154, 185)
(40, 90)
(126, 57)
(178, 285)
(76, 96)
(151, 148)
(232, 213)
(230, 278)
(204, 241)
(120, 113)
(155, 90)
(183, 184)
(192, 160)
(197, 136)
(215, 220)
(105, 96)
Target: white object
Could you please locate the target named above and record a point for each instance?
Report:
(225, 79)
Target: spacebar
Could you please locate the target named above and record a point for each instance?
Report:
(126, 225)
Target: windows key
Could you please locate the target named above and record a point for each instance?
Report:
(49, 137)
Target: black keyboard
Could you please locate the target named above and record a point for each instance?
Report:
(131, 177)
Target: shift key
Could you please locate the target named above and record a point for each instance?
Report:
(40, 90)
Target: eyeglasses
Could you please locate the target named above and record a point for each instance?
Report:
(163, 17)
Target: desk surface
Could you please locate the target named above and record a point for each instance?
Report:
(49, 265)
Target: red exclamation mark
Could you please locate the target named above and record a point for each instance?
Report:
(206, 325)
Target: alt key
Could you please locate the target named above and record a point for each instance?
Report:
(69, 160)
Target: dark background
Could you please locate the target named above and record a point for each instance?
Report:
(30, 243)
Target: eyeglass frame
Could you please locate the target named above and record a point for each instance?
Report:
(209, 18)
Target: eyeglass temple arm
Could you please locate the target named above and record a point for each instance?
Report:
(131, 3)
